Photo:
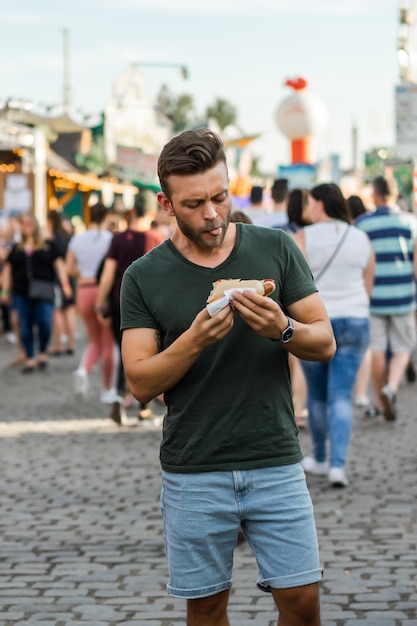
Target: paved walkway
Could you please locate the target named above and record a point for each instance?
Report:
(80, 528)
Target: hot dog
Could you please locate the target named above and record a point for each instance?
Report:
(263, 287)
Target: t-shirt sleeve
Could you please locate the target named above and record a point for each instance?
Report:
(133, 311)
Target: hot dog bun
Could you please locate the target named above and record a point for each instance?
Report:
(263, 287)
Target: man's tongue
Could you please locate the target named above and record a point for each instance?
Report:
(215, 231)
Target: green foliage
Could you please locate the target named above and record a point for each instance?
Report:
(223, 112)
(256, 171)
(95, 159)
(180, 110)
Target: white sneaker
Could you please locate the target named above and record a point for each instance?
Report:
(108, 396)
(389, 398)
(81, 384)
(11, 338)
(362, 401)
(337, 477)
(312, 466)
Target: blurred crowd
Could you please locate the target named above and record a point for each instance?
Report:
(361, 255)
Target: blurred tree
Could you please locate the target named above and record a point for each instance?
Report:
(223, 112)
(180, 110)
(93, 160)
(256, 171)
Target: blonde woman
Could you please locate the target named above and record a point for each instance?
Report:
(33, 259)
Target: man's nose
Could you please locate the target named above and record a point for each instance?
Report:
(209, 211)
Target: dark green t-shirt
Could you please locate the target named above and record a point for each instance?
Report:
(233, 409)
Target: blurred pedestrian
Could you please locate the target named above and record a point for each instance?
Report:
(297, 217)
(393, 235)
(297, 210)
(125, 248)
(11, 234)
(240, 216)
(86, 252)
(342, 262)
(279, 195)
(64, 320)
(28, 278)
(356, 206)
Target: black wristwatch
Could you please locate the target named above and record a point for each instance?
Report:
(288, 332)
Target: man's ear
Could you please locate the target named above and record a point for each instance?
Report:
(165, 203)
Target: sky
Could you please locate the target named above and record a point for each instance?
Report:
(240, 50)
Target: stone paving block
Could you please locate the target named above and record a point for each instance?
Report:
(10, 616)
(370, 622)
(51, 617)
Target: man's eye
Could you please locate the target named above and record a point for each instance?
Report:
(221, 197)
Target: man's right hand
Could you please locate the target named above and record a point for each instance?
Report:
(209, 330)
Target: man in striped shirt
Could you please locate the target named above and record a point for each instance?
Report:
(393, 235)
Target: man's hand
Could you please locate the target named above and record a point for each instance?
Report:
(261, 313)
(209, 330)
(151, 371)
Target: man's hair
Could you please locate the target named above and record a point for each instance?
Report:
(279, 190)
(191, 152)
(97, 213)
(139, 207)
(256, 194)
(384, 188)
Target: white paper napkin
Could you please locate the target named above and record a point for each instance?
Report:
(218, 305)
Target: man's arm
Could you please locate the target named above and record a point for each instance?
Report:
(369, 272)
(313, 338)
(150, 371)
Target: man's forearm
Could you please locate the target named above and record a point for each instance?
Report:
(154, 375)
(103, 292)
(312, 342)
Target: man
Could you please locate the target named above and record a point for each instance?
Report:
(279, 195)
(230, 453)
(125, 248)
(257, 211)
(393, 235)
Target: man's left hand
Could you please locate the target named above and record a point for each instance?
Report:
(261, 313)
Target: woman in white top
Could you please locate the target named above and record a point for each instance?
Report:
(85, 253)
(342, 262)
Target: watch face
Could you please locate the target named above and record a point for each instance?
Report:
(287, 334)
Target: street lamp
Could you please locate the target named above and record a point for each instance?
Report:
(183, 68)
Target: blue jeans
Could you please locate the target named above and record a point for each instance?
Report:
(33, 313)
(202, 514)
(330, 387)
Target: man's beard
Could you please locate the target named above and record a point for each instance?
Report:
(196, 235)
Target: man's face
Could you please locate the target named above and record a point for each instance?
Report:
(201, 204)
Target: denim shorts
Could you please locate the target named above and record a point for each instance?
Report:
(202, 514)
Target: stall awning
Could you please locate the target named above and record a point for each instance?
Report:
(89, 182)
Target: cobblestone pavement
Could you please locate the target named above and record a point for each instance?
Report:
(81, 541)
